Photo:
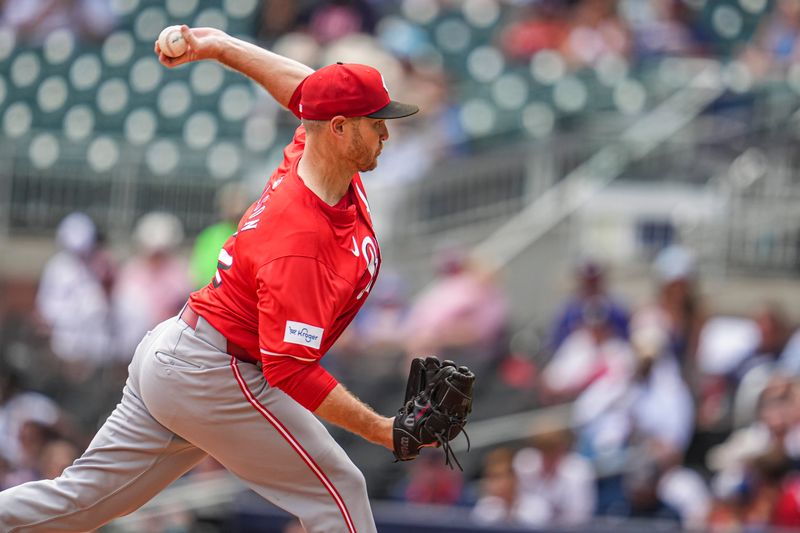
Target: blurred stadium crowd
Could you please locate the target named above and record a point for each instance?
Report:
(678, 415)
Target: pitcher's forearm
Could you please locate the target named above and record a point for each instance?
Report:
(343, 409)
(279, 75)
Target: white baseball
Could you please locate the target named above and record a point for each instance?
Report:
(171, 41)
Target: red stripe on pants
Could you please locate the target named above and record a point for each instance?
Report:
(294, 444)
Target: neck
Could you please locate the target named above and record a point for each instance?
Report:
(324, 173)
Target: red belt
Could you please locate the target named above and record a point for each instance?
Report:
(190, 317)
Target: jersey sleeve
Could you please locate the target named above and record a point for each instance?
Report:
(295, 307)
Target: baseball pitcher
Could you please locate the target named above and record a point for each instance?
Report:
(236, 374)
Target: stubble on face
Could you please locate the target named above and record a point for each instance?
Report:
(363, 156)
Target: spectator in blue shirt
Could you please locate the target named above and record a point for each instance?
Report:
(591, 289)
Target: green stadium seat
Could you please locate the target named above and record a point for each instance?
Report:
(538, 119)
(422, 12)
(125, 10)
(174, 102)
(212, 17)
(259, 133)
(78, 123)
(200, 130)
(510, 91)
(43, 150)
(148, 24)
(112, 101)
(58, 49)
(239, 9)
(118, 50)
(162, 157)
(140, 126)
(145, 78)
(17, 119)
(206, 79)
(224, 160)
(453, 36)
(26, 70)
(485, 63)
(52, 96)
(180, 9)
(85, 74)
(102, 153)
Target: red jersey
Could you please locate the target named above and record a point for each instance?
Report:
(292, 278)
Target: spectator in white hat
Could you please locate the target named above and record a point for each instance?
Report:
(152, 286)
(71, 301)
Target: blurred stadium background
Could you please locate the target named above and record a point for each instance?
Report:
(597, 208)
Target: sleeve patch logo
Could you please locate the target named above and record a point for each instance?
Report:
(303, 334)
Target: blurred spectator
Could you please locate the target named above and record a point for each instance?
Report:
(774, 334)
(786, 509)
(650, 410)
(55, 457)
(592, 352)
(379, 325)
(430, 481)
(677, 309)
(72, 301)
(153, 285)
(232, 202)
(789, 361)
(500, 500)
(774, 428)
(462, 315)
(658, 27)
(278, 17)
(331, 20)
(19, 407)
(590, 288)
(33, 437)
(775, 43)
(34, 20)
(558, 479)
(653, 406)
(640, 482)
(723, 344)
(536, 26)
(686, 491)
(766, 495)
(765, 345)
(596, 31)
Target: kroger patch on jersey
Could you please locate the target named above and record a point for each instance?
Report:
(303, 334)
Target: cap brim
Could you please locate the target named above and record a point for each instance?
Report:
(394, 110)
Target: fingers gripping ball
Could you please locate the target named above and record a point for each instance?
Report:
(437, 402)
(171, 41)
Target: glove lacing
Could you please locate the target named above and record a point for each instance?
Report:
(444, 443)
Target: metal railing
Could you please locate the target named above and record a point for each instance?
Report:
(34, 200)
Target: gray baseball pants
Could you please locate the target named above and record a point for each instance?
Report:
(185, 398)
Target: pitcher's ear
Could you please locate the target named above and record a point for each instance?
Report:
(337, 124)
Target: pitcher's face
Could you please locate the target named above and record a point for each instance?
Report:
(366, 142)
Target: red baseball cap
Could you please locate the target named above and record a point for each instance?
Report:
(349, 90)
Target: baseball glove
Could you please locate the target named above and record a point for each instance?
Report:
(437, 402)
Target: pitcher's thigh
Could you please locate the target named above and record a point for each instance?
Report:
(279, 449)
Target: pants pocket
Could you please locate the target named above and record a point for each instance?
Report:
(172, 360)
